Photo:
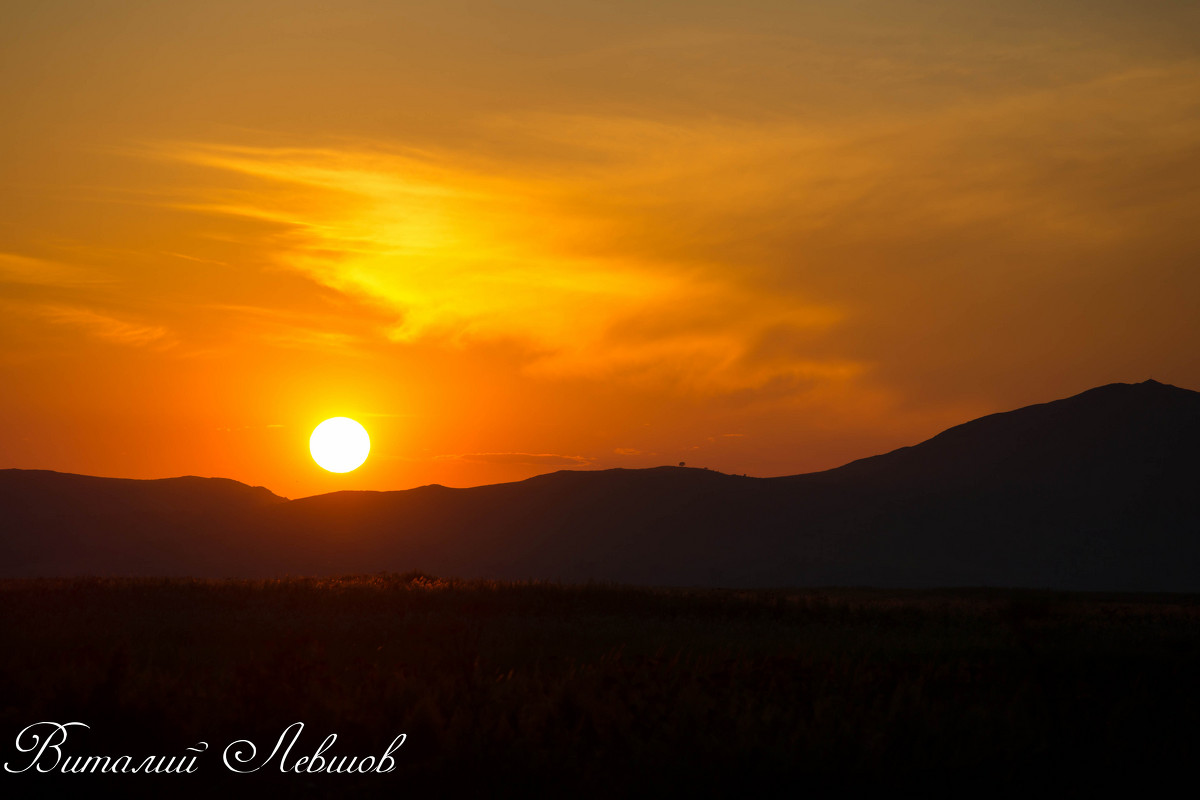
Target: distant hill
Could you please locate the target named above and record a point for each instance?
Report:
(54, 524)
(1097, 491)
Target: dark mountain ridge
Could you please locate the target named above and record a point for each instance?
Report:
(1094, 491)
(54, 523)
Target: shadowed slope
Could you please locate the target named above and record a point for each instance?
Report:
(1129, 428)
(1094, 491)
(60, 524)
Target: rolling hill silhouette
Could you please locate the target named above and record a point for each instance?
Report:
(1097, 491)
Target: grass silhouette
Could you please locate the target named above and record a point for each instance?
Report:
(510, 687)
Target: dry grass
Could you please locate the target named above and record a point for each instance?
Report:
(510, 687)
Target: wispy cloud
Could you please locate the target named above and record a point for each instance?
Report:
(196, 259)
(539, 459)
(752, 259)
(464, 252)
(109, 328)
(294, 330)
(40, 272)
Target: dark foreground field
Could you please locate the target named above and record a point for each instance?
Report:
(509, 688)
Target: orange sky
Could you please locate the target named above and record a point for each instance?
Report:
(763, 237)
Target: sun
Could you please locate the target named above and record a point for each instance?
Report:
(339, 444)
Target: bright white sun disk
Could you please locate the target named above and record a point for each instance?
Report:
(339, 444)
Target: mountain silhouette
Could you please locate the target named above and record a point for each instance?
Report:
(1096, 491)
(55, 524)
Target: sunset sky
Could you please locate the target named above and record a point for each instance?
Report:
(761, 237)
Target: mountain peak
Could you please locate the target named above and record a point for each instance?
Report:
(1110, 422)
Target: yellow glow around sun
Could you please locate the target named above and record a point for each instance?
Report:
(339, 444)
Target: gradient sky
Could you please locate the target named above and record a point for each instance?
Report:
(762, 237)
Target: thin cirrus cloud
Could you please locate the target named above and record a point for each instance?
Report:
(290, 329)
(538, 459)
(109, 328)
(21, 269)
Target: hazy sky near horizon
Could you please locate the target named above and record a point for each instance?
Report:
(762, 237)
